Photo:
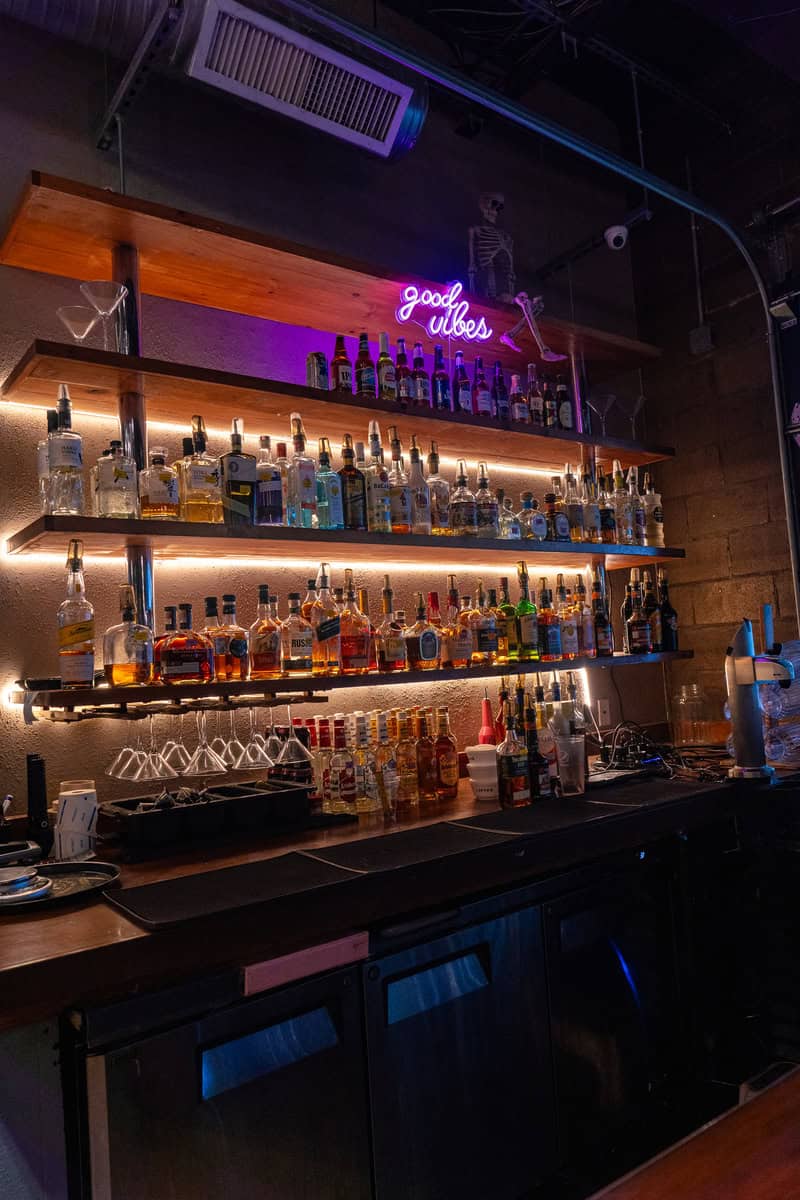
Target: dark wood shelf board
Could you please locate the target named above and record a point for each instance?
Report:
(67, 228)
(181, 539)
(174, 391)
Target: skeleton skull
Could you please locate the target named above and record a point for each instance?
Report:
(491, 203)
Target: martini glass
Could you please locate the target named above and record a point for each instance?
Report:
(122, 757)
(105, 296)
(274, 745)
(234, 755)
(154, 766)
(204, 761)
(601, 405)
(78, 320)
(254, 751)
(218, 743)
(130, 769)
(632, 406)
(175, 753)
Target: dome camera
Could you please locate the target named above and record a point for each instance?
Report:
(616, 236)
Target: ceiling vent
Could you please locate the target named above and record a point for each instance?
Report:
(247, 54)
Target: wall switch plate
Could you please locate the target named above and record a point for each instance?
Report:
(604, 714)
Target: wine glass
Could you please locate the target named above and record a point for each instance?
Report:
(234, 754)
(204, 761)
(78, 320)
(105, 296)
(631, 406)
(601, 404)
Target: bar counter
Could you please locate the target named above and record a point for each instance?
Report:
(88, 953)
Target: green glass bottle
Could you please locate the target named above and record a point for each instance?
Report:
(527, 619)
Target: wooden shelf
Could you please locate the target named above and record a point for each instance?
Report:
(175, 693)
(174, 391)
(180, 539)
(66, 228)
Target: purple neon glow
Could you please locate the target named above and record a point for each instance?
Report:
(451, 321)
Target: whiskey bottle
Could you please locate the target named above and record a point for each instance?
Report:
(484, 629)
(379, 501)
(483, 405)
(608, 513)
(65, 461)
(462, 388)
(592, 524)
(463, 509)
(639, 632)
(75, 618)
(652, 610)
(330, 513)
(341, 368)
(405, 380)
(653, 515)
(390, 643)
(354, 488)
(587, 645)
(326, 624)
(421, 384)
(564, 405)
(406, 759)
(212, 631)
(569, 625)
(446, 752)
(387, 376)
(440, 383)
(310, 597)
(623, 507)
(301, 481)
(527, 619)
(426, 763)
(265, 637)
(170, 625)
(422, 641)
(486, 508)
(117, 485)
(507, 635)
(439, 490)
(535, 399)
(500, 401)
(421, 522)
(186, 656)
(532, 521)
(128, 647)
(158, 488)
(518, 402)
(355, 632)
(399, 491)
(269, 486)
(512, 765)
(365, 369)
(669, 617)
(538, 766)
(203, 495)
(235, 646)
(555, 511)
(574, 507)
(456, 633)
(549, 626)
(603, 629)
(297, 638)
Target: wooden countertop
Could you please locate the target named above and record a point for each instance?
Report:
(750, 1153)
(91, 951)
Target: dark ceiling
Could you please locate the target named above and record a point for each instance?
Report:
(771, 28)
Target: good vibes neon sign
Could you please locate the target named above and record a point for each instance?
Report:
(449, 318)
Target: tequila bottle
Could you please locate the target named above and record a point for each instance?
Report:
(390, 643)
(158, 488)
(399, 491)
(387, 376)
(301, 481)
(486, 508)
(365, 369)
(265, 637)
(341, 368)
(439, 490)
(330, 513)
(128, 647)
(463, 509)
(297, 637)
(462, 388)
(421, 384)
(420, 493)
(269, 486)
(117, 485)
(238, 478)
(65, 461)
(203, 495)
(354, 631)
(326, 624)
(527, 619)
(440, 383)
(379, 500)
(75, 618)
(483, 405)
(422, 641)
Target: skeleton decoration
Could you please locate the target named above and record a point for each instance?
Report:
(491, 253)
(531, 309)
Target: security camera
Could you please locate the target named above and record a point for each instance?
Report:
(616, 236)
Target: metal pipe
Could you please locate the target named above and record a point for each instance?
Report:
(460, 85)
(695, 253)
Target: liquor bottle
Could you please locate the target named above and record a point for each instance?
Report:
(117, 485)
(353, 487)
(128, 647)
(238, 479)
(341, 368)
(518, 402)
(265, 638)
(75, 619)
(457, 643)
(486, 508)
(639, 630)
(269, 486)
(623, 507)
(564, 405)
(482, 403)
(512, 765)
(301, 481)
(510, 528)
(535, 399)
(555, 511)
(439, 490)
(499, 720)
(574, 506)
(570, 644)
(386, 766)
(426, 763)
(368, 798)
(399, 491)
(421, 384)
(379, 500)
(441, 399)
(203, 495)
(652, 610)
(43, 461)
(158, 488)
(669, 617)
(181, 467)
(342, 771)
(603, 629)
(486, 733)
(330, 512)
(434, 614)
(591, 511)
(549, 626)
(322, 769)
(653, 515)
(626, 610)
(405, 379)
(462, 388)
(297, 639)
(363, 608)
(65, 461)
(484, 629)
(326, 623)
(355, 632)
(637, 508)
(547, 744)
(527, 619)
(387, 376)
(310, 597)
(463, 510)
(406, 759)
(446, 752)
(587, 644)
(538, 767)
(212, 631)
(507, 634)
(186, 656)
(390, 643)
(549, 406)
(532, 521)
(500, 401)
(170, 625)
(236, 657)
(608, 513)
(365, 369)
(423, 640)
(420, 493)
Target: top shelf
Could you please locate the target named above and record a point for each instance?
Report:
(66, 228)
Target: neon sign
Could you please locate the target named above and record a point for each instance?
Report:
(450, 319)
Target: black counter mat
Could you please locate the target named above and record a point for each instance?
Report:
(171, 901)
(406, 848)
(644, 793)
(542, 817)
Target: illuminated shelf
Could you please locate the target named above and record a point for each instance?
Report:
(66, 228)
(108, 697)
(179, 539)
(174, 391)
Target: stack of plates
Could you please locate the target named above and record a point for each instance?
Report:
(22, 883)
(482, 768)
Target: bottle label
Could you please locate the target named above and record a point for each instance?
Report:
(387, 378)
(520, 411)
(447, 767)
(483, 401)
(115, 476)
(441, 395)
(355, 652)
(422, 389)
(265, 651)
(561, 526)
(591, 518)
(487, 514)
(587, 634)
(463, 516)
(400, 504)
(203, 477)
(539, 526)
(604, 638)
(342, 376)
(486, 639)
(428, 645)
(565, 413)
(296, 645)
(64, 452)
(162, 487)
(440, 507)
(639, 637)
(379, 501)
(181, 662)
(305, 485)
(329, 629)
(514, 785)
(552, 641)
(457, 646)
(608, 522)
(405, 387)
(537, 410)
(464, 395)
(77, 668)
(237, 647)
(422, 504)
(329, 493)
(394, 648)
(528, 632)
(569, 635)
(73, 635)
(365, 379)
(43, 461)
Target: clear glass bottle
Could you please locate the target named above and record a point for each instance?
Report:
(592, 525)
(186, 656)
(406, 759)
(368, 799)
(405, 378)
(420, 493)
(269, 486)
(486, 507)
(386, 767)
(326, 623)
(549, 626)
(43, 462)
(603, 629)
(608, 513)
(653, 515)
(379, 501)
(341, 368)
(527, 619)
(423, 640)
(518, 402)
(484, 629)
(570, 645)
(330, 511)
(203, 494)
(75, 619)
(365, 369)
(421, 384)
(532, 521)
(234, 663)
(390, 642)
(387, 376)
(564, 406)
(456, 648)
(355, 632)
(446, 752)
(439, 490)
(265, 638)
(301, 481)
(510, 528)
(441, 398)
(512, 765)
(426, 763)
(535, 399)
(158, 488)
(574, 507)
(399, 491)
(637, 508)
(585, 618)
(462, 388)
(354, 488)
(463, 508)
(555, 511)
(128, 646)
(482, 402)
(297, 638)
(342, 771)
(238, 480)
(117, 485)
(500, 401)
(65, 461)
(623, 507)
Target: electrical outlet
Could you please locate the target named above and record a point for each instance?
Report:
(604, 714)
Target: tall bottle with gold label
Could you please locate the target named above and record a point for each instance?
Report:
(75, 618)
